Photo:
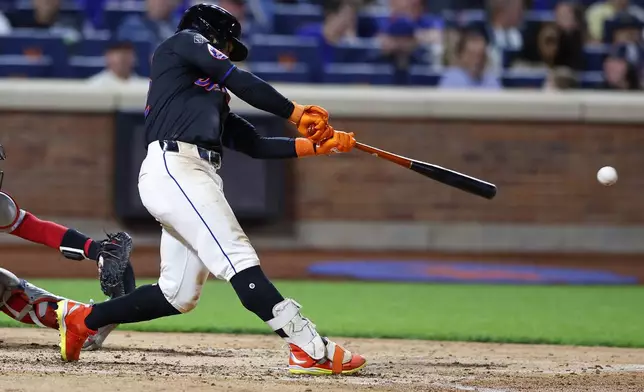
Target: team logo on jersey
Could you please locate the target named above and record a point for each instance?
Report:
(199, 39)
(216, 54)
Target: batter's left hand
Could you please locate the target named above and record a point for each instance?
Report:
(340, 142)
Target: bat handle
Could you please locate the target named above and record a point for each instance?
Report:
(402, 161)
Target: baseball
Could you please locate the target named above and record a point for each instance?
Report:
(607, 175)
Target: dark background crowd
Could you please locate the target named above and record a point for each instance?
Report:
(476, 44)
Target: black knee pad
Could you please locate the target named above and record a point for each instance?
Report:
(256, 292)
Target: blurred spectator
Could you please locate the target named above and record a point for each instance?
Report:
(600, 12)
(619, 74)
(546, 50)
(5, 25)
(505, 24)
(624, 29)
(239, 9)
(46, 16)
(504, 29)
(560, 78)
(120, 60)
(340, 25)
(158, 23)
(400, 47)
(470, 70)
(540, 50)
(428, 28)
(569, 19)
(554, 44)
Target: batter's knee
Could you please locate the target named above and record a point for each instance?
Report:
(181, 298)
(10, 214)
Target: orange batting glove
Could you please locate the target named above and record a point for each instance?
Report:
(311, 122)
(339, 143)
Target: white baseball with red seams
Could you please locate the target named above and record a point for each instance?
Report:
(607, 175)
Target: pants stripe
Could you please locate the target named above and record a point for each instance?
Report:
(165, 162)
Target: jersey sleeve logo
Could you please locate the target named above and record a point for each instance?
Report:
(216, 53)
(199, 39)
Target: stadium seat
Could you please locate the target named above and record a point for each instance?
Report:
(25, 67)
(508, 57)
(96, 48)
(114, 17)
(276, 72)
(36, 45)
(370, 22)
(540, 16)
(591, 80)
(594, 57)
(523, 79)
(288, 18)
(83, 67)
(91, 47)
(363, 73)
(284, 49)
(424, 76)
(356, 52)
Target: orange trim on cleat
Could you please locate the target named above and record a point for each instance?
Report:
(301, 363)
(73, 332)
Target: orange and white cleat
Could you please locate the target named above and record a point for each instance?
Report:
(336, 361)
(71, 324)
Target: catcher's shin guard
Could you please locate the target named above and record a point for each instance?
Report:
(27, 303)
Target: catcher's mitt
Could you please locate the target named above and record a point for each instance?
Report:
(113, 260)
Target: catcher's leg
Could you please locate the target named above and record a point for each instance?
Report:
(27, 303)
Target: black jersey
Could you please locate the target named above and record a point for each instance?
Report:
(188, 98)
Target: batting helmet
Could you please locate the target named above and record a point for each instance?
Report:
(218, 25)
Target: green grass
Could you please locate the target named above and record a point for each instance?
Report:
(609, 316)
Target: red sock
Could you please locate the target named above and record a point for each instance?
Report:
(41, 232)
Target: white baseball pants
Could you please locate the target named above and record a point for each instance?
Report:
(200, 235)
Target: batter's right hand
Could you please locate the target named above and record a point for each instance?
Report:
(311, 122)
(339, 143)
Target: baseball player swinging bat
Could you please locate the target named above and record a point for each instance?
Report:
(188, 123)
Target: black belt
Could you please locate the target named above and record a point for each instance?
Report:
(213, 157)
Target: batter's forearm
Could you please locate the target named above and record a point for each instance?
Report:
(273, 148)
(258, 93)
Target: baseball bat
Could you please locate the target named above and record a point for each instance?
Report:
(446, 176)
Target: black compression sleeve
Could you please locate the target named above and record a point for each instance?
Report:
(143, 304)
(258, 93)
(240, 135)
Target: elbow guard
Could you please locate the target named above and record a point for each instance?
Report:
(10, 214)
